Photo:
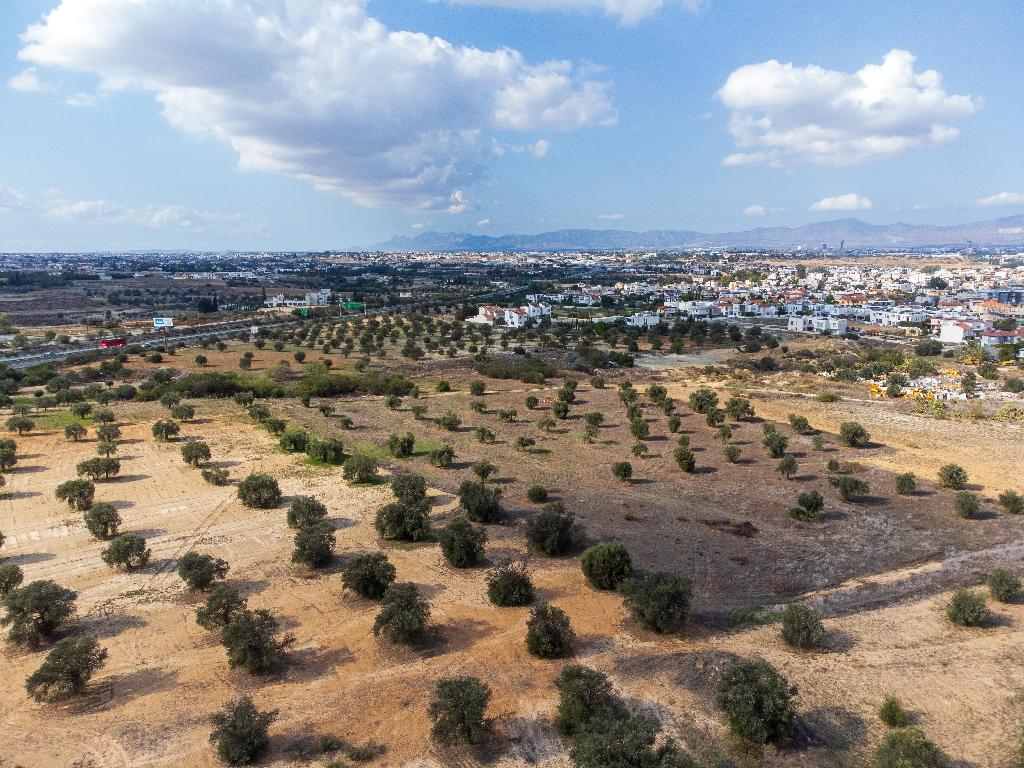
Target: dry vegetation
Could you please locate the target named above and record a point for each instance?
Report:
(881, 568)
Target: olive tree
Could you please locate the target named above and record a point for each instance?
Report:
(458, 710)
(127, 550)
(199, 571)
(240, 732)
(369, 575)
(66, 670)
(102, 519)
(259, 491)
(36, 610)
(78, 494)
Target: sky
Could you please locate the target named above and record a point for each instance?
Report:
(329, 124)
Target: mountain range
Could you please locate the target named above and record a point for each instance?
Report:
(855, 233)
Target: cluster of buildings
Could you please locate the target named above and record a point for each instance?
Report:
(310, 299)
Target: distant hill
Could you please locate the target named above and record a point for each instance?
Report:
(857, 234)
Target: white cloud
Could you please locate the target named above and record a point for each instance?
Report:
(153, 216)
(782, 114)
(851, 201)
(628, 12)
(755, 210)
(419, 225)
(539, 148)
(321, 91)
(919, 207)
(83, 99)
(12, 200)
(484, 223)
(1002, 198)
(28, 81)
(611, 216)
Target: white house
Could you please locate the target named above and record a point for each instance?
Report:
(956, 332)
(643, 320)
(516, 317)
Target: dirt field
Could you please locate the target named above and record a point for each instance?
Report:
(880, 570)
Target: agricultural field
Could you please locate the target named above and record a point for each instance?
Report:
(702, 501)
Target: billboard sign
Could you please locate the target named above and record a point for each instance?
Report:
(163, 322)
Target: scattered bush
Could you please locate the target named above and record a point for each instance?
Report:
(403, 521)
(509, 585)
(549, 633)
(787, 466)
(195, 453)
(967, 504)
(78, 494)
(409, 488)
(585, 697)
(775, 443)
(622, 470)
(102, 519)
(853, 435)
(953, 476)
(66, 670)
(326, 450)
(553, 530)
(314, 544)
(36, 610)
(98, 468)
(756, 701)
(849, 487)
(907, 748)
(259, 491)
(305, 510)
(401, 446)
(1004, 585)
(538, 494)
(165, 430)
(731, 453)
(458, 710)
(221, 606)
(240, 732)
(215, 476)
(462, 543)
(294, 440)
(126, 551)
(448, 420)
(607, 565)
(660, 601)
(1011, 502)
(967, 609)
(250, 639)
(359, 469)
(199, 571)
(892, 713)
(369, 575)
(802, 627)
(10, 578)
(906, 483)
(403, 616)
(443, 457)
(799, 424)
(480, 503)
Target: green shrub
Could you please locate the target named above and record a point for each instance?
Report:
(199, 571)
(585, 697)
(538, 494)
(892, 713)
(703, 400)
(294, 440)
(10, 578)
(401, 446)
(240, 732)
(314, 544)
(802, 627)
(622, 470)
(477, 388)
(756, 701)
(787, 466)
(660, 601)
(480, 503)
(78, 494)
(549, 633)
(625, 741)
(906, 483)
(409, 488)
(1004, 585)
(1011, 502)
(967, 609)
(509, 585)
(967, 504)
(462, 543)
(102, 519)
(403, 616)
(799, 424)
(730, 451)
(458, 710)
(259, 491)
(849, 487)
(775, 443)
(165, 430)
(215, 476)
(250, 639)
(607, 565)
(553, 530)
(195, 452)
(369, 575)
(327, 450)
(66, 670)
(685, 459)
(222, 604)
(359, 468)
(953, 476)
(853, 435)
(443, 457)
(305, 510)
(448, 420)
(126, 551)
(812, 501)
(907, 748)
(403, 522)
(36, 610)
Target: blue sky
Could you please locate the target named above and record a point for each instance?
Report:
(318, 124)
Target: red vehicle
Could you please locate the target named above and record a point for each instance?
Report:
(114, 341)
